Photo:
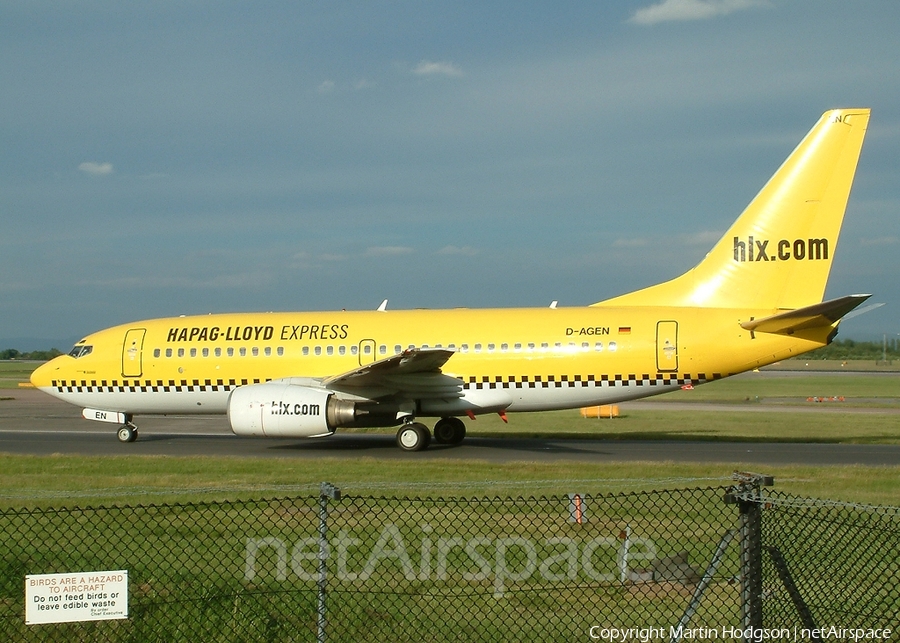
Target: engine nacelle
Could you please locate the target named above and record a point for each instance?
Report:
(281, 409)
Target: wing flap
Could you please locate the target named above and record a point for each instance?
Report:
(414, 373)
(818, 315)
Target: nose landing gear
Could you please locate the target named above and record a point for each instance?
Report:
(127, 433)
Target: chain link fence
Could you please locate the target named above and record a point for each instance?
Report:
(663, 566)
(830, 566)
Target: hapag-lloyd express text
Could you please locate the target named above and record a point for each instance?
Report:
(257, 333)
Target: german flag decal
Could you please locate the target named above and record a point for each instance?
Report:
(624, 330)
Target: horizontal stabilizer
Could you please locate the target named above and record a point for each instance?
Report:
(819, 315)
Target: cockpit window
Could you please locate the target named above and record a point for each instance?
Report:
(80, 350)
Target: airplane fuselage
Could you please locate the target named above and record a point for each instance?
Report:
(540, 359)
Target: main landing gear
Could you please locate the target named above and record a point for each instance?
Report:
(414, 436)
(127, 433)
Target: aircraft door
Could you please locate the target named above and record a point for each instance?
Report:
(667, 346)
(366, 352)
(132, 353)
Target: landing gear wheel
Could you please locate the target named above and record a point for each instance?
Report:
(450, 430)
(413, 437)
(127, 433)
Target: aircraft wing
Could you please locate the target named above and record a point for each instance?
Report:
(822, 314)
(414, 373)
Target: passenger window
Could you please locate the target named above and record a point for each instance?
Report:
(230, 351)
(255, 351)
(342, 350)
(612, 347)
(598, 347)
(305, 350)
(156, 352)
(382, 350)
(330, 350)
(531, 346)
(463, 348)
(205, 352)
(490, 348)
(354, 350)
(504, 347)
(268, 351)
(585, 346)
(180, 352)
(318, 350)
(280, 351)
(398, 349)
(517, 347)
(218, 352)
(243, 351)
(477, 348)
(193, 352)
(168, 352)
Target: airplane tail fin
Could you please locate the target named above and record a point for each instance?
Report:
(778, 253)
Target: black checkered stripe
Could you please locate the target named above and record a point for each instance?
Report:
(147, 386)
(579, 381)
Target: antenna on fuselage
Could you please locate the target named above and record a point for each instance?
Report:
(383, 306)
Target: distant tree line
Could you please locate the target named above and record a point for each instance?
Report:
(850, 349)
(12, 353)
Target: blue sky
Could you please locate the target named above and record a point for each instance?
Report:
(166, 158)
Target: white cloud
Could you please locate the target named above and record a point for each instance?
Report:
(704, 238)
(388, 251)
(681, 10)
(429, 68)
(326, 87)
(255, 279)
(468, 251)
(880, 241)
(96, 169)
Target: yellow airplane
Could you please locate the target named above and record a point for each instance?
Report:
(756, 298)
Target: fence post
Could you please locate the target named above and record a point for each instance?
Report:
(748, 496)
(326, 491)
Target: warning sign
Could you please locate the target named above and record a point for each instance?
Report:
(78, 596)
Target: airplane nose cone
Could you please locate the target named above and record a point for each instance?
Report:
(44, 374)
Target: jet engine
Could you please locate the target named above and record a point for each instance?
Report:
(281, 409)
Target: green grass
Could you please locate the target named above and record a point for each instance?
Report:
(92, 481)
(663, 424)
(766, 387)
